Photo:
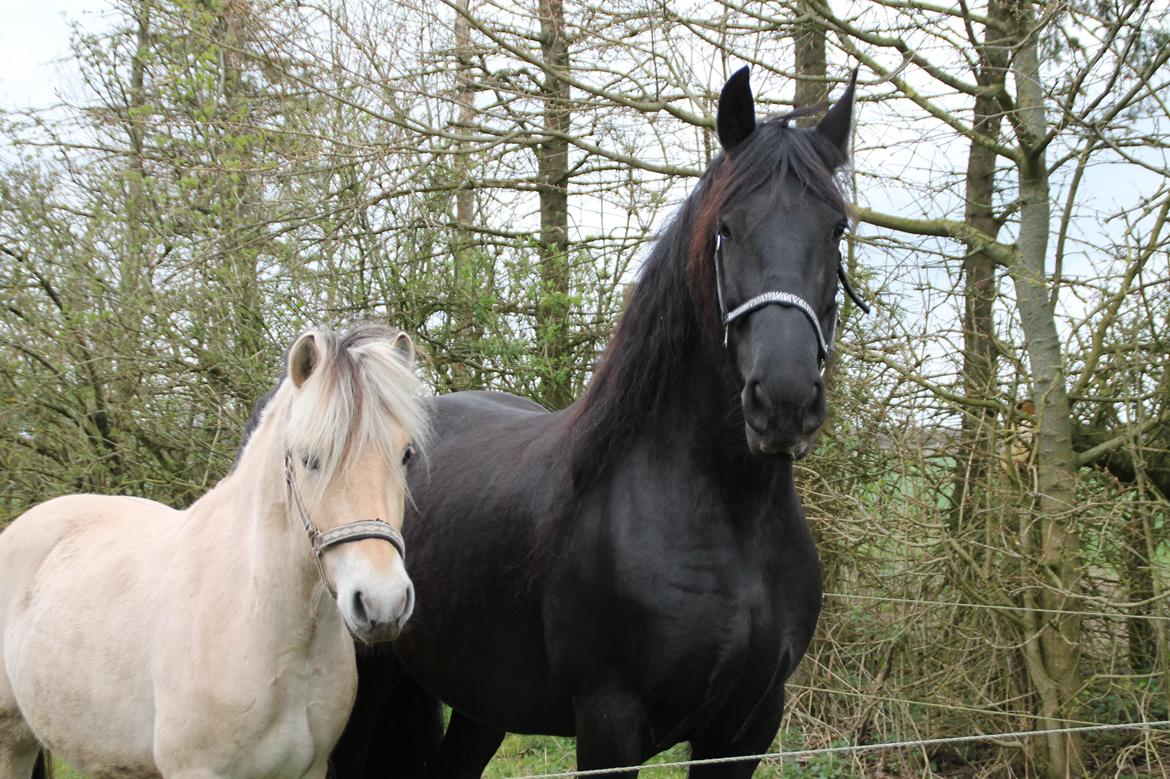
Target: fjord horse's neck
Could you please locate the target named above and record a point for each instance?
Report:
(251, 512)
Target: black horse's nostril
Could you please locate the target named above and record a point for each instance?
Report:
(757, 399)
(758, 396)
(756, 406)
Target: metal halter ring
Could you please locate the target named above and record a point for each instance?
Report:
(342, 534)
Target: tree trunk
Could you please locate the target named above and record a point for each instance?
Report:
(464, 277)
(809, 40)
(977, 440)
(240, 226)
(133, 259)
(552, 325)
(1051, 649)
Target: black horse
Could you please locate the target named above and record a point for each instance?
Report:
(636, 570)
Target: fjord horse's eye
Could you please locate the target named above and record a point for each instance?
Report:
(310, 461)
(408, 454)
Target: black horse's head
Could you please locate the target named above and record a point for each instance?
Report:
(778, 219)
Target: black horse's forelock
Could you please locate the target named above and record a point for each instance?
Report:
(673, 309)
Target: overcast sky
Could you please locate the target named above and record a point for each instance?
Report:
(34, 44)
(36, 71)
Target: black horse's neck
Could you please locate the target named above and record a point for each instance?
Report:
(665, 372)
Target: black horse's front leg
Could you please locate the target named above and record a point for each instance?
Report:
(612, 731)
(394, 728)
(752, 738)
(467, 748)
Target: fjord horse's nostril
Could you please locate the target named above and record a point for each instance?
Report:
(408, 609)
(359, 608)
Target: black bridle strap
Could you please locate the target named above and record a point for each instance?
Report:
(849, 289)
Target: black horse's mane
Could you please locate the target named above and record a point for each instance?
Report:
(673, 311)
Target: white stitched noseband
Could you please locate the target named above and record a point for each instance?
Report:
(782, 299)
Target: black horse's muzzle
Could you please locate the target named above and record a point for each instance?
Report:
(782, 406)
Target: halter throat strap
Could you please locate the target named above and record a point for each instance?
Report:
(342, 534)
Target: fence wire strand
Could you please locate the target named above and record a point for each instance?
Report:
(994, 607)
(856, 748)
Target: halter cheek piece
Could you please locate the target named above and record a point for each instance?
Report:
(342, 534)
(780, 298)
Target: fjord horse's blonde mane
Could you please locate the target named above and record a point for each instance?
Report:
(359, 371)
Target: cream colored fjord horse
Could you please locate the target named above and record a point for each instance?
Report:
(137, 640)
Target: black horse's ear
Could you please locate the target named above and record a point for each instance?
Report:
(736, 118)
(837, 122)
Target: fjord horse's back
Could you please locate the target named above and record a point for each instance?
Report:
(85, 520)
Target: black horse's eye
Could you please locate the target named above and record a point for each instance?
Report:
(724, 230)
(310, 461)
(839, 229)
(408, 454)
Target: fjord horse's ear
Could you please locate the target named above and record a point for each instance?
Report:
(405, 346)
(735, 118)
(839, 119)
(302, 359)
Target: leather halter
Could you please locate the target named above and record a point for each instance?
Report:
(342, 534)
(782, 298)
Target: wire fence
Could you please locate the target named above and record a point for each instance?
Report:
(795, 754)
(1002, 738)
(1003, 607)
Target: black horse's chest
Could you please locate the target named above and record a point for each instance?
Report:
(701, 605)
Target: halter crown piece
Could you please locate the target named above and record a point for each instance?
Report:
(342, 534)
(781, 298)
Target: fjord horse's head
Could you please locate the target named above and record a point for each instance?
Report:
(354, 418)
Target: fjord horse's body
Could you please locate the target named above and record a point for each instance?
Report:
(136, 640)
(636, 570)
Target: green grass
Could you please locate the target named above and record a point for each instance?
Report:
(521, 756)
(62, 770)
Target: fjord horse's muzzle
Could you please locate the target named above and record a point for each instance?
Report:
(372, 617)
